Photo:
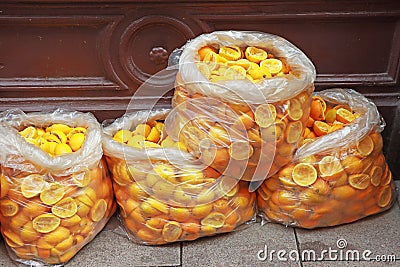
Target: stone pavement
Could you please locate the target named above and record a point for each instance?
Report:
(379, 234)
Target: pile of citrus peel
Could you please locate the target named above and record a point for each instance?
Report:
(56, 139)
(329, 189)
(196, 214)
(235, 63)
(326, 119)
(147, 135)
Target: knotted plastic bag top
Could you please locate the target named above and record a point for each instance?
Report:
(275, 89)
(18, 154)
(369, 121)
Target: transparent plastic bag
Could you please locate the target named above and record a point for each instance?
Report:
(164, 193)
(51, 206)
(336, 178)
(247, 124)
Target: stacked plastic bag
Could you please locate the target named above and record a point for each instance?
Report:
(51, 206)
(336, 178)
(164, 193)
(241, 102)
(243, 117)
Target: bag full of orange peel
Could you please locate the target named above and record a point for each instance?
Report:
(164, 193)
(56, 194)
(241, 101)
(339, 174)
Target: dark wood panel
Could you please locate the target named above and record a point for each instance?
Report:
(60, 53)
(93, 55)
(48, 49)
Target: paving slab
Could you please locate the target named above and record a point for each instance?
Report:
(378, 234)
(4, 260)
(110, 248)
(241, 248)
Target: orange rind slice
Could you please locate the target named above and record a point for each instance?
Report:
(241, 62)
(304, 174)
(46, 223)
(273, 65)
(65, 208)
(29, 234)
(59, 126)
(57, 236)
(293, 132)
(330, 168)
(228, 186)
(265, 115)
(214, 219)
(179, 214)
(165, 171)
(321, 128)
(98, 211)
(235, 73)
(211, 59)
(200, 211)
(71, 221)
(76, 140)
(274, 132)
(255, 54)
(295, 110)
(171, 231)
(231, 52)
(8, 207)
(204, 51)
(53, 193)
(378, 141)
(345, 116)
(352, 164)
(245, 120)
(310, 122)
(387, 179)
(76, 130)
(376, 175)
(360, 180)
(32, 185)
(48, 147)
(29, 132)
(240, 150)
(365, 146)
(385, 197)
(62, 149)
(60, 135)
(318, 107)
(256, 73)
(154, 135)
(48, 137)
(122, 136)
(142, 129)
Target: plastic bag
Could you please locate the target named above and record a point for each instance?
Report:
(253, 128)
(165, 194)
(51, 206)
(336, 178)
